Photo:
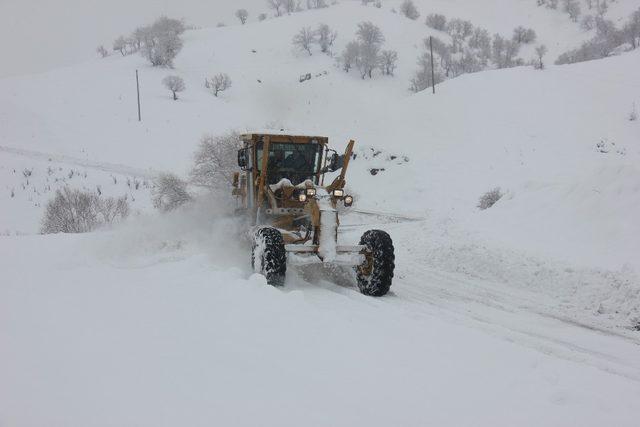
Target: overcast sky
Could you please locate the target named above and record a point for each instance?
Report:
(38, 35)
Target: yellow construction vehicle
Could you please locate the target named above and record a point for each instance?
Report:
(293, 215)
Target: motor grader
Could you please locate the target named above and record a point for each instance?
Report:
(293, 213)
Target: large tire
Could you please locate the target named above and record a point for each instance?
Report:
(376, 273)
(268, 255)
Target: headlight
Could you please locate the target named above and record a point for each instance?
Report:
(338, 193)
(311, 192)
(348, 201)
(302, 197)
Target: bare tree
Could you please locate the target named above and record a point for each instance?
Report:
(572, 7)
(304, 39)
(242, 15)
(349, 55)
(388, 61)
(437, 21)
(524, 35)
(161, 42)
(409, 9)
(369, 34)
(170, 192)
(422, 78)
(541, 51)
(325, 37)
(490, 198)
(290, 6)
(175, 84)
(100, 50)
(218, 83)
(215, 161)
(276, 6)
(316, 4)
(120, 45)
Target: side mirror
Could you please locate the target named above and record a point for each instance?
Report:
(243, 158)
(335, 162)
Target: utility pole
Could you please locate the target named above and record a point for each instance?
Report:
(138, 88)
(433, 73)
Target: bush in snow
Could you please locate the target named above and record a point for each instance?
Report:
(437, 21)
(100, 50)
(218, 83)
(290, 6)
(490, 198)
(170, 192)
(633, 115)
(242, 15)
(325, 37)
(304, 39)
(175, 84)
(75, 211)
(387, 61)
(215, 161)
(262, 17)
(409, 9)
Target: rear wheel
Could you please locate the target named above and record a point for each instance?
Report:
(268, 256)
(375, 274)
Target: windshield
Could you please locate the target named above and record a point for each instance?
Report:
(295, 162)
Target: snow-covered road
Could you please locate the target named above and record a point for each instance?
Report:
(151, 325)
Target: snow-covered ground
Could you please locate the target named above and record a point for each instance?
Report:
(522, 314)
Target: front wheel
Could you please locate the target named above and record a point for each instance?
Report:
(375, 274)
(268, 256)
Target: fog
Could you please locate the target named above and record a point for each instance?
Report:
(38, 35)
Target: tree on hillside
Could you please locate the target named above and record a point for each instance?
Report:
(102, 51)
(175, 84)
(218, 83)
(316, 4)
(304, 39)
(524, 35)
(572, 7)
(215, 161)
(120, 45)
(388, 61)
(325, 37)
(242, 15)
(409, 9)
(349, 55)
(276, 6)
(437, 21)
(291, 6)
(161, 41)
(541, 51)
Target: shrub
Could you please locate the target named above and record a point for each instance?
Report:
(437, 21)
(170, 192)
(242, 15)
(75, 211)
(490, 198)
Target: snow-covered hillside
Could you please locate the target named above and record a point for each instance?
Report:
(521, 314)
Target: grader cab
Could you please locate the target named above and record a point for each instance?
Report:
(294, 213)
